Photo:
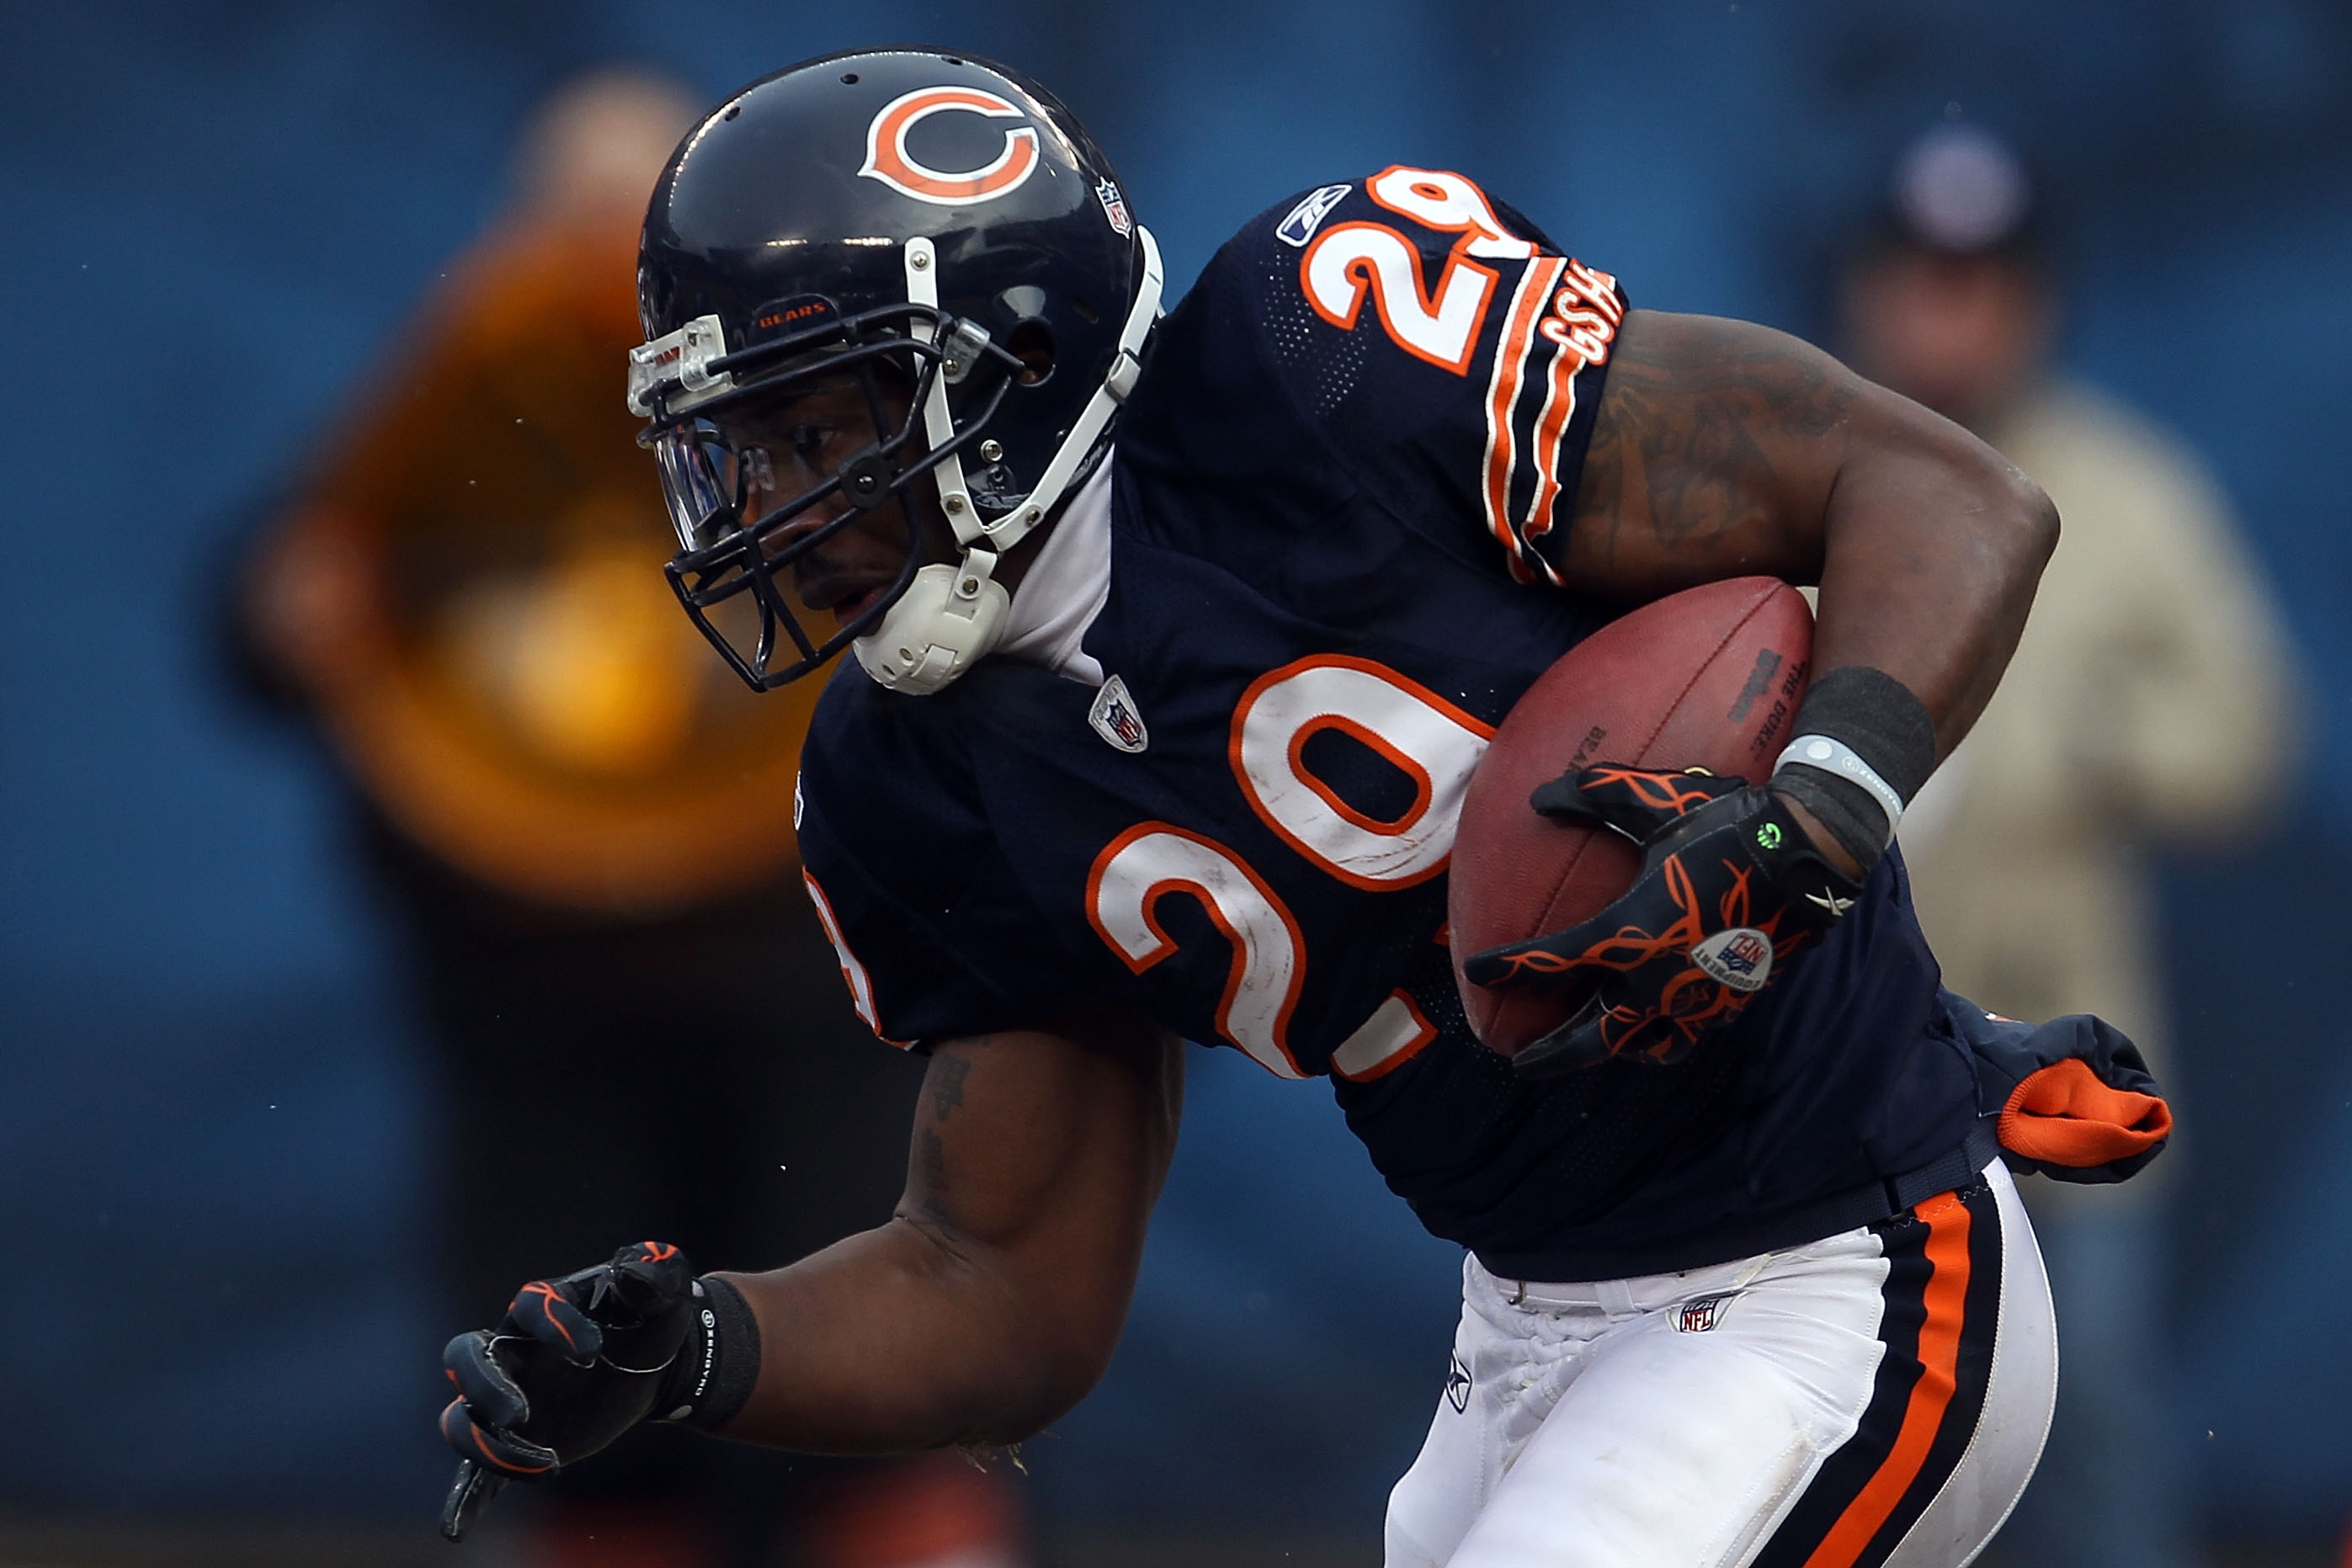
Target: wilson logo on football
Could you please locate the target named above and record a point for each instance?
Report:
(888, 160)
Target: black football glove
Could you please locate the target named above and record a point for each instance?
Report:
(575, 1363)
(1730, 887)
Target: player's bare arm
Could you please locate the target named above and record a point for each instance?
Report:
(992, 1301)
(1722, 447)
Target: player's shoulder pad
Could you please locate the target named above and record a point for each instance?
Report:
(1435, 346)
(1442, 268)
(937, 929)
(871, 753)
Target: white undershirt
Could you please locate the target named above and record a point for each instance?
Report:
(1065, 587)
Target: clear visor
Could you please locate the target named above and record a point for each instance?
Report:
(704, 480)
(767, 459)
(758, 483)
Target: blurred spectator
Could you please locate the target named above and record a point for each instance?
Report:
(2147, 707)
(583, 823)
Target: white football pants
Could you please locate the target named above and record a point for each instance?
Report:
(1875, 1398)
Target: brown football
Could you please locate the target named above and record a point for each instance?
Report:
(1708, 678)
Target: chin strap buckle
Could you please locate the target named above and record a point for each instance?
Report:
(949, 619)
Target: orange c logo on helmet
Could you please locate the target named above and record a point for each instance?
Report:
(888, 160)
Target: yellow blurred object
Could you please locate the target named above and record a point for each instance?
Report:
(472, 594)
(586, 667)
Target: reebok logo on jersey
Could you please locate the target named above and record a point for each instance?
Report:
(1457, 1386)
(1701, 1313)
(1307, 216)
(1115, 718)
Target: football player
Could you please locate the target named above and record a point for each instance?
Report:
(1175, 640)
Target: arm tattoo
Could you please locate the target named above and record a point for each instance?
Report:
(926, 1204)
(1703, 428)
(933, 1156)
(947, 1085)
(928, 1211)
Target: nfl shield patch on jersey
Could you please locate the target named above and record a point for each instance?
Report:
(1115, 718)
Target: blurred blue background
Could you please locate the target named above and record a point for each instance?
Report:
(210, 1130)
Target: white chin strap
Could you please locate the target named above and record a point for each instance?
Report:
(951, 616)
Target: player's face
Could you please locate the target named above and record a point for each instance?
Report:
(790, 446)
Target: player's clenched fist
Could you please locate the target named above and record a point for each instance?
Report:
(575, 1363)
(1730, 886)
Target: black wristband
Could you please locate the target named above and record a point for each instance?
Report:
(719, 1361)
(1855, 821)
(1877, 719)
(1818, 892)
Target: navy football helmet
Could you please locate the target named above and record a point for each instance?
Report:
(938, 234)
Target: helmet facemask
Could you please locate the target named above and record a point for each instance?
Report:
(731, 574)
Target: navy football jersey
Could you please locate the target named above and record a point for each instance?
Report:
(1337, 510)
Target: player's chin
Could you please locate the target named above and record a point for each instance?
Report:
(843, 596)
(847, 611)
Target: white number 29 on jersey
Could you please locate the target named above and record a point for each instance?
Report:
(1432, 742)
(1348, 262)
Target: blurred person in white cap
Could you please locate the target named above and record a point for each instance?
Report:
(2149, 709)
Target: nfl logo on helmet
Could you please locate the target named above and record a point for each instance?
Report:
(1114, 207)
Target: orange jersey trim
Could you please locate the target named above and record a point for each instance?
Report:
(1551, 429)
(852, 973)
(1528, 302)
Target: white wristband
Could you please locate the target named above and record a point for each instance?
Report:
(1839, 760)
